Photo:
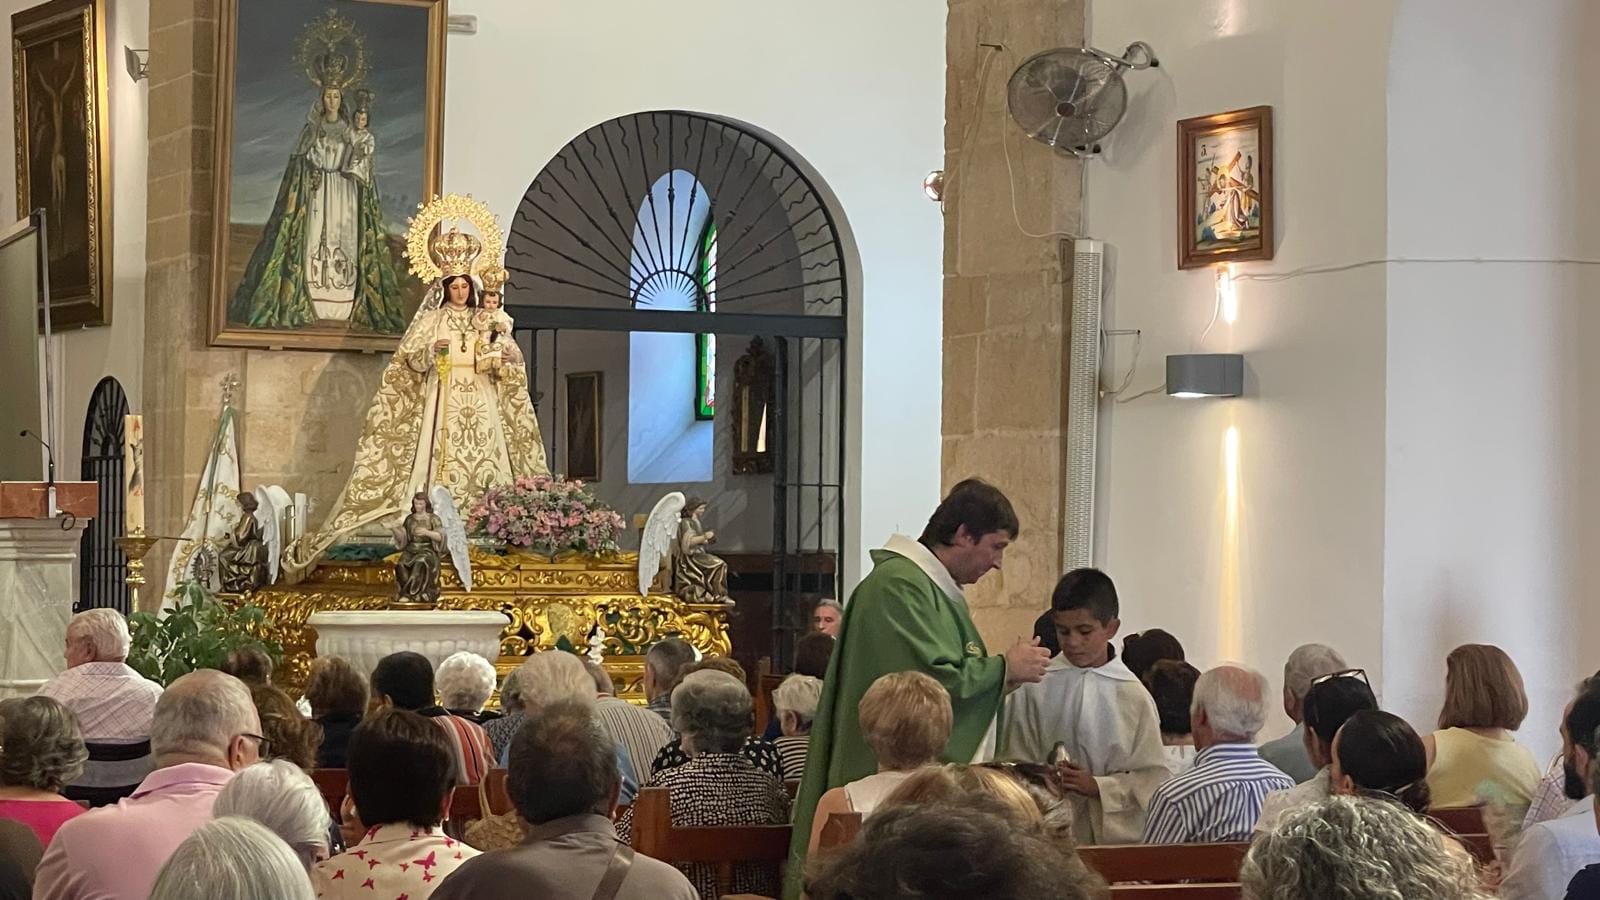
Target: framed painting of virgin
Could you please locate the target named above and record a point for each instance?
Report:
(63, 151)
(329, 122)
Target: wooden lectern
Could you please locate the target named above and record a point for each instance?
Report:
(38, 577)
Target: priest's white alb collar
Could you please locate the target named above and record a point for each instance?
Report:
(929, 564)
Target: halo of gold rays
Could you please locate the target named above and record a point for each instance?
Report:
(452, 208)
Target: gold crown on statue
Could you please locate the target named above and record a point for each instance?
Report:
(494, 278)
(436, 247)
(454, 252)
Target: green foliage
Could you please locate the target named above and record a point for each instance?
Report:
(198, 632)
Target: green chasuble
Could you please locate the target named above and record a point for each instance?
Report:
(907, 615)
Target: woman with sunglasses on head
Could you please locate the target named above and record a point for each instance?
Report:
(1328, 703)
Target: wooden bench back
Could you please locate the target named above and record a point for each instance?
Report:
(1459, 819)
(1226, 891)
(840, 830)
(1166, 862)
(333, 784)
(494, 797)
(655, 836)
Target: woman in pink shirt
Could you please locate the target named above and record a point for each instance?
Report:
(41, 751)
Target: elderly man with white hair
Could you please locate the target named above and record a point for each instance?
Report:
(113, 704)
(639, 730)
(1220, 798)
(205, 728)
(1306, 664)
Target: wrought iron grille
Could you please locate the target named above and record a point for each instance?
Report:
(610, 238)
(100, 561)
(595, 229)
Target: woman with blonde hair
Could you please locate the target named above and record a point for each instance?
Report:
(1473, 758)
(905, 720)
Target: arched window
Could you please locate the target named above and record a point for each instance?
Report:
(671, 376)
(100, 562)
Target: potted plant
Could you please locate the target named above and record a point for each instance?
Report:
(198, 632)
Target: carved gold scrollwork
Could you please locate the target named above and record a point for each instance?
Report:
(545, 600)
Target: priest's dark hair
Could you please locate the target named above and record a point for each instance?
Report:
(401, 767)
(406, 678)
(978, 505)
(562, 764)
(1088, 589)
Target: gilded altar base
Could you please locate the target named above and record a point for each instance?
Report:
(547, 601)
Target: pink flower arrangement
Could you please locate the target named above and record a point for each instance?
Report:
(547, 514)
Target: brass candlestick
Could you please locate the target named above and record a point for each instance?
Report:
(135, 547)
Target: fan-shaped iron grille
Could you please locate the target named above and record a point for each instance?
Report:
(606, 223)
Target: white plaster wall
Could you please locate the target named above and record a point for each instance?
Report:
(856, 89)
(82, 357)
(1305, 559)
(1490, 398)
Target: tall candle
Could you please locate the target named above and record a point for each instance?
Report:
(133, 474)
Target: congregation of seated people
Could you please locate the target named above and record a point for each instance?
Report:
(405, 781)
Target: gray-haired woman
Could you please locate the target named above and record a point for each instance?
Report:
(232, 858)
(718, 785)
(41, 752)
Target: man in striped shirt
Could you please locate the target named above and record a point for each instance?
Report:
(1220, 798)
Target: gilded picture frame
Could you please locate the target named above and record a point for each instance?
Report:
(585, 408)
(1226, 205)
(63, 141)
(312, 188)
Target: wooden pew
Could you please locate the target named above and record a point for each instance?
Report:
(655, 836)
(1210, 863)
(333, 784)
(840, 830)
(464, 810)
(1459, 819)
(494, 798)
(1228, 891)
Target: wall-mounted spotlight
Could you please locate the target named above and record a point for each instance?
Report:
(1191, 375)
(138, 63)
(933, 185)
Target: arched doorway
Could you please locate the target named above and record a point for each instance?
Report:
(690, 267)
(100, 561)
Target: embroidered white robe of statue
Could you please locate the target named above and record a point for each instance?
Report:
(1108, 721)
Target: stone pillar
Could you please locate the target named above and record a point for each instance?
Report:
(38, 579)
(301, 410)
(1006, 296)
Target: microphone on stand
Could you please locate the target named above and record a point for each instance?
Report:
(50, 485)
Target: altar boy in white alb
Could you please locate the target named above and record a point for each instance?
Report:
(1092, 703)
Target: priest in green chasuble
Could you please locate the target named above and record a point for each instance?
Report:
(910, 614)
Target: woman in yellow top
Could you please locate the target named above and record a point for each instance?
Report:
(1472, 758)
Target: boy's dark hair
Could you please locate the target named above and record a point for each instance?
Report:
(401, 766)
(1145, 649)
(1089, 589)
(1171, 683)
(811, 654)
(406, 678)
(562, 764)
(1331, 703)
(978, 505)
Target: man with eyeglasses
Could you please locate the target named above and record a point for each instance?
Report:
(204, 729)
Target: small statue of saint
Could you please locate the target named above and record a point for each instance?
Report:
(698, 576)
(242, 560)
(420, 539)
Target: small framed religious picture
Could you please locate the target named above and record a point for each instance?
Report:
(1225, 200)
(63, 145)
(585, 394)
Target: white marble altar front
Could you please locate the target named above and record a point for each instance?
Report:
(365, 636)
(38, 581)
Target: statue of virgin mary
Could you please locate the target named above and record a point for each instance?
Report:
(449, 410)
